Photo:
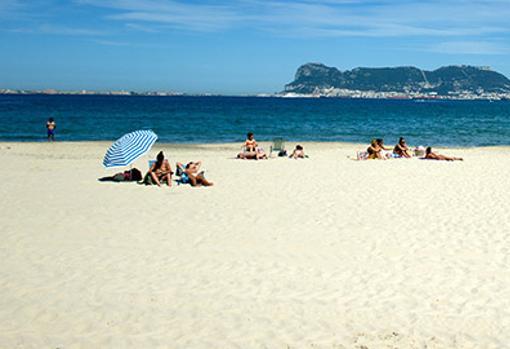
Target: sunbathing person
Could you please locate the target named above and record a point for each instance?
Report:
(160, 171)
(430, 155)
(191, 175)
(401, 149)
(375, 151)
(256, 154)
(250, 144)
(132, 175)
(298, 153)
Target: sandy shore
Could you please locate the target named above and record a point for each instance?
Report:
(319, 253)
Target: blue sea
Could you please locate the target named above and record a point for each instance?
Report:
(227, 119)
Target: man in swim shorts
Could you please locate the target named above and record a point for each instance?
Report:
(51, 125)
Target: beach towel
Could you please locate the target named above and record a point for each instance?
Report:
(148, 180)
(362, 155)
(183, 176)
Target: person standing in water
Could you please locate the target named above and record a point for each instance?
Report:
(51, 125)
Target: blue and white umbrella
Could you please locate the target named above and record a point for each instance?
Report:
(128, 148)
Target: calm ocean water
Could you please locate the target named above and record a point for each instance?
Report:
(227, 119)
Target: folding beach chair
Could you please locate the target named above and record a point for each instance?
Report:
(181, 174)
(277, 146)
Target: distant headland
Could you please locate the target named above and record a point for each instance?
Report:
(451, 82)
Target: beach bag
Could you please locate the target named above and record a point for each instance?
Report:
(419, 151)
(133, 175)
(282, 153)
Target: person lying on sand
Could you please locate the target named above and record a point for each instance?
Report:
(132, 175)
(298, 153)
(401, 149)
(161, 171)
(257, 154)
(192, 176)
(430, 155)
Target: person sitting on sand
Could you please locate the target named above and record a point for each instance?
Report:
(384, 150)
(430, 155)
(375, 151)
(250, 144)
(251, 150)
(51, 125)
(298, 153)
(380, 142)
(192, 176)
(401, 149)
(161, 171)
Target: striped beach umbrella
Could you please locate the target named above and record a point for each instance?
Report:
(128, 148)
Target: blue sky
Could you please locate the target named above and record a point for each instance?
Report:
(237, 47)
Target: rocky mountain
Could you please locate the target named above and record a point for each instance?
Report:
(315, 77)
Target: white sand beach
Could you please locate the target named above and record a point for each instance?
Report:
(325, 252)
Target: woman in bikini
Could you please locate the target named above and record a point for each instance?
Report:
(250, 144)
(161, 171)
(430, 155)
(401, 149)
(193, 177)
(251, 150)
(375, 151)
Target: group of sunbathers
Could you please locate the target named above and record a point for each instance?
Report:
(377, 150)
(161, 172)
(251, 150)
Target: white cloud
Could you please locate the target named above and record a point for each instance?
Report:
(58, 30)
(460, 19)
(174, 13)
(385, 18)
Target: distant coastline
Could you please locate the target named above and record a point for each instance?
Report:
(392, 95)
(324, 93)
(7, 91)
